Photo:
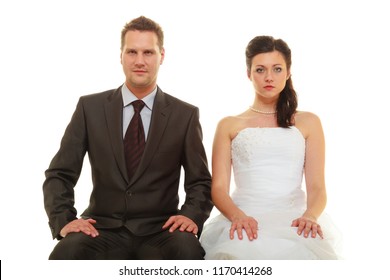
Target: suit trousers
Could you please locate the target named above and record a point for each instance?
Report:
(121, 244)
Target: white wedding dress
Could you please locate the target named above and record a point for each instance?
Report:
(268, 169)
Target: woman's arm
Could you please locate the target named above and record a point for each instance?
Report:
(220, 187)
(311, 127)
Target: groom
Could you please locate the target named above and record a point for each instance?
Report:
(131, 216)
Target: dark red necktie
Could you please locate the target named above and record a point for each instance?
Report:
(134, 141)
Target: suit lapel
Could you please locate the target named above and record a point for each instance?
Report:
(158, 123)
(113, 110)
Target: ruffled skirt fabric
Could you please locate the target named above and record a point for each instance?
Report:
(276, 240)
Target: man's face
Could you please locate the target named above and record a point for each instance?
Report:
(141, 58)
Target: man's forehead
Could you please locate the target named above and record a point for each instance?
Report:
(141, 40)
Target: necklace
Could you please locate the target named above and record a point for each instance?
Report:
(261, 112)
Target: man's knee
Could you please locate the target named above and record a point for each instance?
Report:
(185, 246)
(72, 247)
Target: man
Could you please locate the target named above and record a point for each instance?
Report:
(133, 211)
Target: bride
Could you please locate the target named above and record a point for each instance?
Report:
(270, 146)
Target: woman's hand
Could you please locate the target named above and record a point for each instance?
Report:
(246, 223)
(307, 225)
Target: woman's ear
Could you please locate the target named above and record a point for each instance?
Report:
(288, 75)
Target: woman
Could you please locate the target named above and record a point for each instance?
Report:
(270, 146)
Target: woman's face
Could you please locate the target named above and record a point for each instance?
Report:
(269, 74)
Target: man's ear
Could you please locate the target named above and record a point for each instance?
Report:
(162, 55)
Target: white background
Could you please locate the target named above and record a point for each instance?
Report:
(52, 52)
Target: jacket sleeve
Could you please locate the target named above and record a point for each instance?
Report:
(64, 172)
(197, 181)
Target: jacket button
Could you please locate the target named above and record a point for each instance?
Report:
(129, 193)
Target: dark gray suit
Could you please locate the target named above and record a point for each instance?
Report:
(145, 202)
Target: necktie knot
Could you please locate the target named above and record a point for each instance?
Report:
(138, 105)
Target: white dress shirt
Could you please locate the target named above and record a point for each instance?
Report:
(128, 110)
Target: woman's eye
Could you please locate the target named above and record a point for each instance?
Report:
(259, 70)
(278, 69)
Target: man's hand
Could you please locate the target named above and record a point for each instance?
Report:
(80, 225)
(182, 223)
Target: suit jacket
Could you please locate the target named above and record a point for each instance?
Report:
(145, 202)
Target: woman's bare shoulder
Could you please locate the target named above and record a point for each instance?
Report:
(307, 122)
(306, 117)
(231, 124)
